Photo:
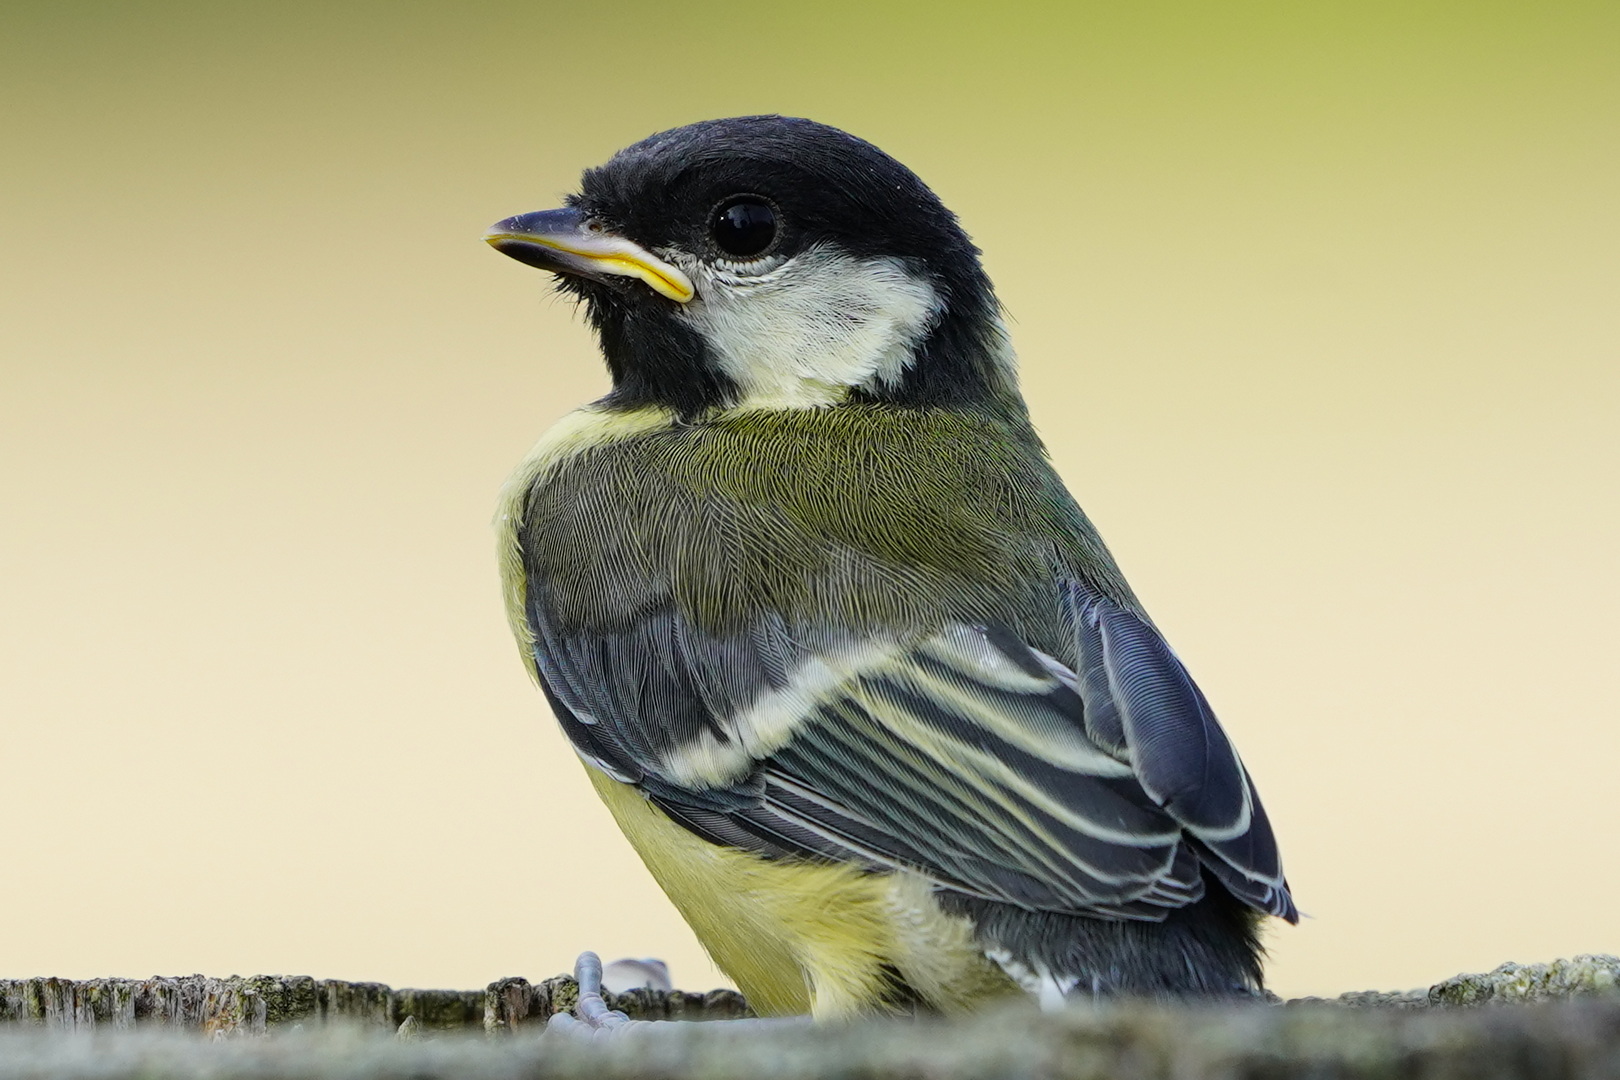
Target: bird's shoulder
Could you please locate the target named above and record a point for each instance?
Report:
(864, 512)
(774, 455)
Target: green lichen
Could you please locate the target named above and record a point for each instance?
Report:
(1583, 976)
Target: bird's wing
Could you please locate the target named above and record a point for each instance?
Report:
(1139, 701)
(967, 756)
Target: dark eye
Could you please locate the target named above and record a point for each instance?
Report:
(744, 227)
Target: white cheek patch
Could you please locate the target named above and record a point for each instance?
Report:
(805, 333)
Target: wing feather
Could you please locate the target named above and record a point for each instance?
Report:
(1100, 784)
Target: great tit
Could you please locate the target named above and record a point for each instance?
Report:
(853, 672)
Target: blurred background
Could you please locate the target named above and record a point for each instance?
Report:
(1318, 308)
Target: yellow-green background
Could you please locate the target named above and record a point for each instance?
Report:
(1319, 310)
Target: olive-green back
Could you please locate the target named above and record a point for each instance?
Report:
(853, 517)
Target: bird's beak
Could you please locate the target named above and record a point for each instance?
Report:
(565, 242)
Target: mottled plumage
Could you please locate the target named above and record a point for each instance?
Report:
(852, 669)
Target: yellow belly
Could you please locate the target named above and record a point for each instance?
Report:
(803, 937)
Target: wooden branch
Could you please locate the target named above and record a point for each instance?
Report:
(1558, 1021)
(262, 1003)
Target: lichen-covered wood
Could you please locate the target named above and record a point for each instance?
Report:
(1582, 976)
(1557, 1021)
(1571, 1040)
(263, 1003)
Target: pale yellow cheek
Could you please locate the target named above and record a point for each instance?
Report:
(802, 937)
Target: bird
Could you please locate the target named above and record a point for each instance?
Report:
(849, 666)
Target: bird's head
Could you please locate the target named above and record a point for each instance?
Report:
(772, 262)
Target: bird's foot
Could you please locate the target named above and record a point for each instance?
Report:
(592, 1019)
(591, 1016)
